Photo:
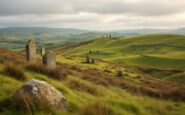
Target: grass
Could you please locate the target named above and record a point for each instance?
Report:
(80, 86)
(159, 51)
(95, 109)
(14, 72)
(111, 101)
(52, 73)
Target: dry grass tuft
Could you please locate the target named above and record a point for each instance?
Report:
(77, 85)
(57, 73)
(14, 72)
(95, 109)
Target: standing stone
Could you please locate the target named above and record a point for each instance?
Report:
(87, 59)
(92, 60)
(120, 73)
(43, 51)
(30, 51)
(90, 51)
(49, 59)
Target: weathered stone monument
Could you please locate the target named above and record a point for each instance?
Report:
(42, 51)
(87, 59)
(120, 73)
(49, 59)
(31, 51)
(92, 60)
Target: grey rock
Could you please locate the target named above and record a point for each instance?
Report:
(42, 93)
(43, 51)
(49, 59)
(31, 51)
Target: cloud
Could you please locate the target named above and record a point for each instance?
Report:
(93, 14)
(139, 7)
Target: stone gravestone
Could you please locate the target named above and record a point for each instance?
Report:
(49, 59)
(31, 51)
(120, 73)
(43, 51)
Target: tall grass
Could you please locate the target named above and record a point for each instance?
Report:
(57, 73)
(77, 85)
(14, 72)
(95, 109)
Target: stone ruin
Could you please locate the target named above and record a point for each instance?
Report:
(31, 51)
(42, 51)
(49, 59)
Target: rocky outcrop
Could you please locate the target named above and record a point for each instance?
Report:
(42, 94)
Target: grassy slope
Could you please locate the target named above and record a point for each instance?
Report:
(161, 51)
(118, 101)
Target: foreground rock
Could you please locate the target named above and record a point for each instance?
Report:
(42, 94)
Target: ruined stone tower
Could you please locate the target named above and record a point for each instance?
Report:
(30, 51)
(49, 59)
(43, 51)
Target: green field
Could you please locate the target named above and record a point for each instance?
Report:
(158, 51)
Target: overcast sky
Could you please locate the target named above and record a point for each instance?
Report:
(93, 14)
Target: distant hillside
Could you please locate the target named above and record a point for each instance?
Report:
(14, 38)
(156, 50)
(180, 31)
(42, 30)
(144, 31)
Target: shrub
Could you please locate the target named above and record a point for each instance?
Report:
(23, 104)
(14, 72)
(74, 84)
(1, 59)
(57, 73)
(95, 109)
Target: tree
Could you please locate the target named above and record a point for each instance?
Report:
(110, 36)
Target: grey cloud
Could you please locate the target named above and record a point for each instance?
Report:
(38, 7)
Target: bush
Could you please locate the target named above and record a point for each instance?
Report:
(57, 73)
(1, 59)
(95, 109)
(14, 72)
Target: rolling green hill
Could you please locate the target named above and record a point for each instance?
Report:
(163, 51)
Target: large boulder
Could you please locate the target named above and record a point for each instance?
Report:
(41, 94)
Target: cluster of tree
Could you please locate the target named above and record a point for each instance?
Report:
(107, 36)
(94, 51)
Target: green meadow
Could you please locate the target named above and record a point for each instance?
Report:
(157, 51)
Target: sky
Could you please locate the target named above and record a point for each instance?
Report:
(93, 14)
